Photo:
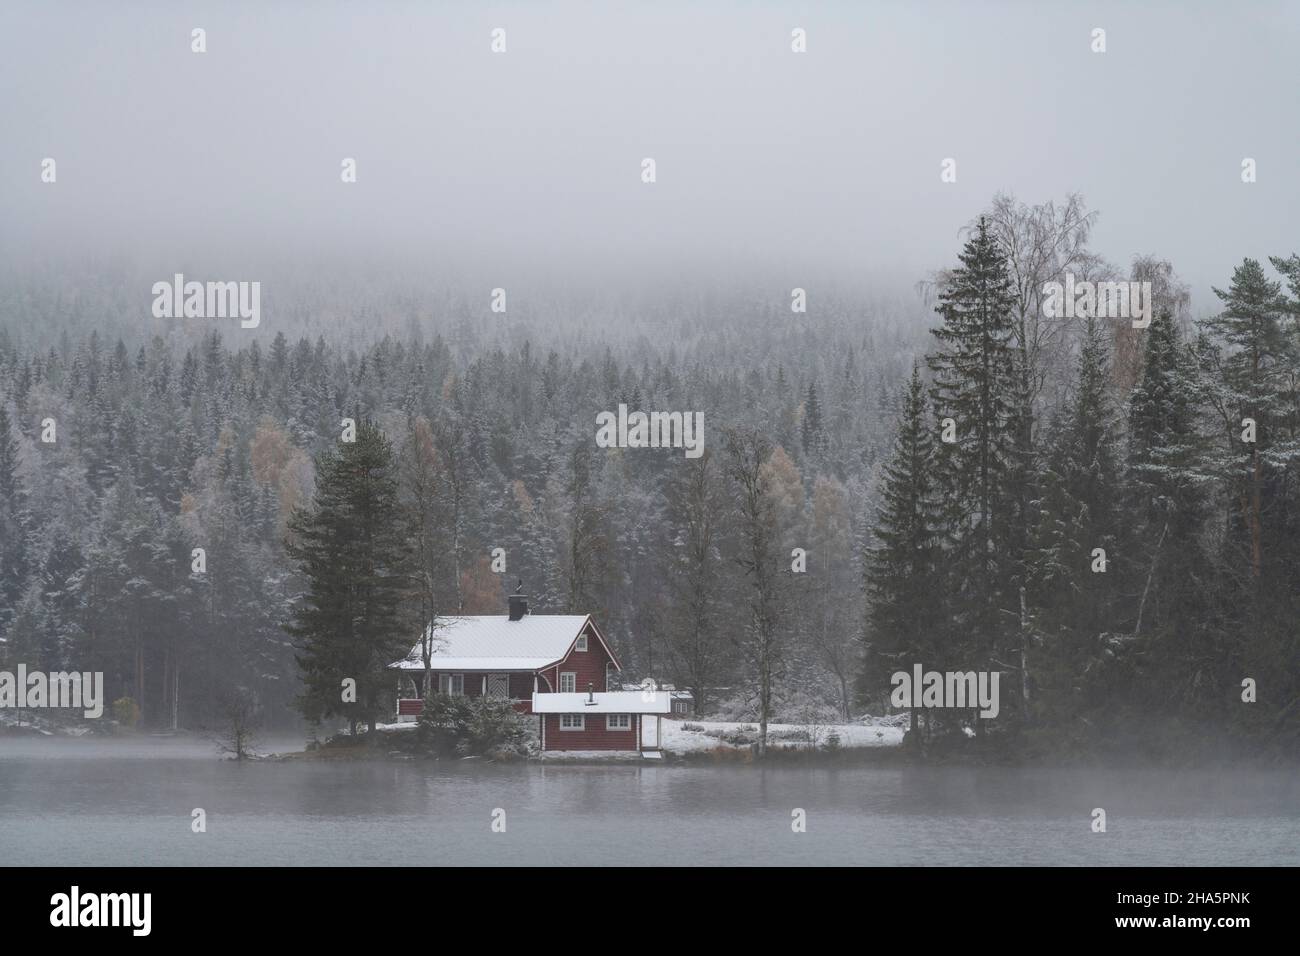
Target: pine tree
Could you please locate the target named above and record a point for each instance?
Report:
(904, 582)
(1252, 364)
(1254, 371)
(352, 550)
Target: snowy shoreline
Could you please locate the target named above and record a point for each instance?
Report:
(681, 738)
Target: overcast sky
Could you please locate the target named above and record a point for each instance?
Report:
(824, 163)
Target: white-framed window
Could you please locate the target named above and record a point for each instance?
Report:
(569, 682)
(618, 721)
(573, 721)
(582, 642)
(453, 684)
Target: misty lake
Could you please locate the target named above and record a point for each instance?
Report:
(129, 802)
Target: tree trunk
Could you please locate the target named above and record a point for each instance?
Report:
(1024, 656)
(1256, 523)
(1150, 574)
(139, 678)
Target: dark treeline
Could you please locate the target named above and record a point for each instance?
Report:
(1128, 558)
(1107, 516)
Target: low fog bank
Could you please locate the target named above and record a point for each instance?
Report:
(477, 169)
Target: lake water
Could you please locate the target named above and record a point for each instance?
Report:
(127, 802)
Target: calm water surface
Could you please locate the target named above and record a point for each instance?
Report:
(112, 802)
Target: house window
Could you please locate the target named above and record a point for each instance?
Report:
(582, 642)
(618, 722)
(568, 682)
(573, 721)
(453, 684)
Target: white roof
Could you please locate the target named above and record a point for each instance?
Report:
(615, 702)
(494, 642)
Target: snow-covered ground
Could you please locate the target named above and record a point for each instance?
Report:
(869, 732)
(37, 723)
(693, 736)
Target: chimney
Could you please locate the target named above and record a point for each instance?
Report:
(591, 692)
(518, 603)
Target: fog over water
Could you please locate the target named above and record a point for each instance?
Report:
(123, 803)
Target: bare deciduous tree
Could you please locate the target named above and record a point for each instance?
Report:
(243, 717)
(759, 558)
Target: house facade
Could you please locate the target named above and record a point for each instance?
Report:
(617, 720)
(541, 664)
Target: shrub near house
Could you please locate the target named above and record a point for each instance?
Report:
(474, 726)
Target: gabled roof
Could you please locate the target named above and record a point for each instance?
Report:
(614, 702)
(494, 642)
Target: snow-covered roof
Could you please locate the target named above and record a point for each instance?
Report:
(494, 642)
(671, 688)
(614, 702)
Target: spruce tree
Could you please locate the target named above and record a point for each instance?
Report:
(976, 385)
(1078, 513)
(812, 436)
(1167, 488)
(904, 585)
(351, 548)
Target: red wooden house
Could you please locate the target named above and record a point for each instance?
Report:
(557, 666)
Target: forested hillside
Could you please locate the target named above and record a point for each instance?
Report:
(122, 451)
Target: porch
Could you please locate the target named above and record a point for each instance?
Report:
(515, 687)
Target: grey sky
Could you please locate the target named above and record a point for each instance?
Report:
(823, 165)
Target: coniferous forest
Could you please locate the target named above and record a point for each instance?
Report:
(1108, 516)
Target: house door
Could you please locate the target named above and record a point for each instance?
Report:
(649, 732)
(498, 686)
